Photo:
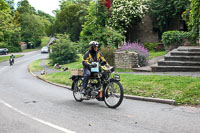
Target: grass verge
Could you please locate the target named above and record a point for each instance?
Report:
(183, 89)
(153, 54)
(6, 58)
(35, 66)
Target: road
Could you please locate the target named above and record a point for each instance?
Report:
(30, 105)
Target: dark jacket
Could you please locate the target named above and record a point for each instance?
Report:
(92, 56)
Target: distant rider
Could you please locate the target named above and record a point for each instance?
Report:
(12, 57)
(92, 55)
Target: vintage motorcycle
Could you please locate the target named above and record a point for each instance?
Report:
(102, 86)
(11, 61)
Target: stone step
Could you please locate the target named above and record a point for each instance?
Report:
(177, 63)
(184, 53)
(156, 68)
(189, 48)
(182, 58)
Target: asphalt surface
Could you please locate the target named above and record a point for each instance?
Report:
(29, 105)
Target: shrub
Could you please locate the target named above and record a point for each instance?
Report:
(95, 28)
(138, 48)
(63, 50)
(13, 49)
(108, 53)
(3, 45)
(174, 37)
(150, 46)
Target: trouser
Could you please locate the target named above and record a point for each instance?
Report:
(86, 74)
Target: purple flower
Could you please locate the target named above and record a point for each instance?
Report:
(138, 48)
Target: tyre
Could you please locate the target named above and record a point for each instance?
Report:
(113, 94)
(77, 85)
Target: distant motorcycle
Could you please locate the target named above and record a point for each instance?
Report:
(11, 61)
(101, 86)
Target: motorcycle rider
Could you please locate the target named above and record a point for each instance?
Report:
(12, 58)
(92, 55)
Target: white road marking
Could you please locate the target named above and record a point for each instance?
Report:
(37, 119)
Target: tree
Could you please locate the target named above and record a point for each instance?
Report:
(163, 11)
(24, 7)
(194, 19)
(70, 18)
(96, 28)
(11, 4)
(63, 50)
(47, 21)
(6, 19)
(126, 13)
(32, 28)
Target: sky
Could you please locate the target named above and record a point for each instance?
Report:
(46, 6)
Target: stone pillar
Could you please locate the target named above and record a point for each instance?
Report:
(126, 60)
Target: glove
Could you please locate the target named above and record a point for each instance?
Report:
(93, 65)
(103, 63)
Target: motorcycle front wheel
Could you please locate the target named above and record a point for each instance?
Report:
(77, 89)
(113, 94)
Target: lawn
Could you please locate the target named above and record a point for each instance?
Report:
(153, 54)
(35, 66)
(184, 89)
(6, 58)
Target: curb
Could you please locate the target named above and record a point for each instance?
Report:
(149, 99)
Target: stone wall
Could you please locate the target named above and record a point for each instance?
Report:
(143, 32)
(126, 60)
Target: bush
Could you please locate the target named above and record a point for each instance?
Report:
(108, 53)
(174, 37)
(138, 48)
(3, 45)
(63, 50)
(150, 46)
(105, 37)
(14, 49)
(10, 48)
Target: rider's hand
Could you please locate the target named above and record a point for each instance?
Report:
(93, 65)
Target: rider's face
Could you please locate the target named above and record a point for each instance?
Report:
(95, 48)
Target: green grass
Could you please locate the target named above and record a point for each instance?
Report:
(74, 65)
(44, 41)
(6, 58)
(185, 90)
(35, 66)
(153, 54)
(30, 50)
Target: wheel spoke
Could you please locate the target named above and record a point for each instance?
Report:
(113, 96)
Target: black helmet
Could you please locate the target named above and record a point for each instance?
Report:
(93, 43)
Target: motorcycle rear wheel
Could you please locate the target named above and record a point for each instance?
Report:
(113, 94)
(77, 89)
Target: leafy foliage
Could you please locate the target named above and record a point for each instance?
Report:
(95, 28)
(174, 37)
(9, 32)
(143, 53)
(63, 51)
(31, 29)
(24, 7)
(126, 13)
(150, 46)
(163, 11)
(108, 53)
(70, 17)
(194, 18)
